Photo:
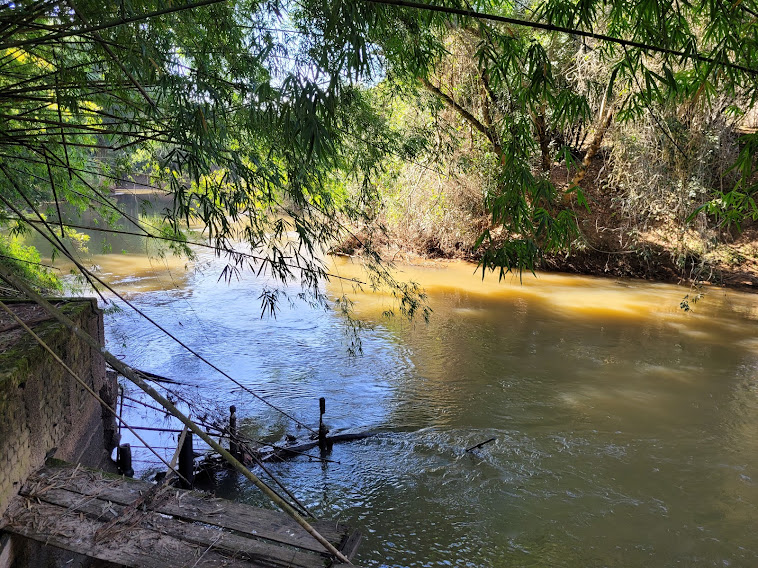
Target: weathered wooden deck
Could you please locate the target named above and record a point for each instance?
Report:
(71, 507)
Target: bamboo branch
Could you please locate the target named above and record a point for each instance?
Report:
(110, 24)
(130, 374)
(113, 56)
(465, 114)
(55, 196)
(60, 119)
(217, 249)
(563, 29)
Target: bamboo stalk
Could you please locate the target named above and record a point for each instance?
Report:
(130, 374)
(289, 493)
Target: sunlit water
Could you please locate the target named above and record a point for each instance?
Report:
(626, 430)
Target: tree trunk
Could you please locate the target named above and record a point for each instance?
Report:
(597, 140)
(541, 127)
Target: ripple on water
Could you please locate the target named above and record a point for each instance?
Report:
(621, 439)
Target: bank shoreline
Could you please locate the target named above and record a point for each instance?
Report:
(654, 265)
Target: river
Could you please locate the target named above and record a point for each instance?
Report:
(626, 429)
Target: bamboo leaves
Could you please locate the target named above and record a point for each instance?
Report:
(254, 114)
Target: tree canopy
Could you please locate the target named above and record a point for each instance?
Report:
(271, 122)
(226, 112)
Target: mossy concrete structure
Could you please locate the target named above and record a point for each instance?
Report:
(43, 409)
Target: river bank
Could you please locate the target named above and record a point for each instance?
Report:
(609, 244)
(654, 262)
(652, 241)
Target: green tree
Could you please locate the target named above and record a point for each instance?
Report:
(253, 114)
(506, 70)
(230, 111)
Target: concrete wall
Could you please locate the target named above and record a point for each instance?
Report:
(42, 407)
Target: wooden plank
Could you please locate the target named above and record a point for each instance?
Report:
(191, 506)
(259, 552)
(140, 548)
(199, 507)
(349, 545)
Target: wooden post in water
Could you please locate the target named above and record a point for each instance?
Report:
(321, 428)
(187, 462)
(234, 447)
(121, 410)
(124, 460)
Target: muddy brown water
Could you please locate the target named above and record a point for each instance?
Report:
(626, 430)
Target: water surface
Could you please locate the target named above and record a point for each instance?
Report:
(626, 431)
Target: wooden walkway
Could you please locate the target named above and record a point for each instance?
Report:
(74, 508)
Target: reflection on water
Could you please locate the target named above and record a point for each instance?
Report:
(626, 429)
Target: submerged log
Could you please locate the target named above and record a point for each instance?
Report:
(479, 445)
(282, 452)
(275, 452)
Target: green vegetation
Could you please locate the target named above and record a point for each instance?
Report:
(490, 128)
(238, 124)
(26, 261)
(631, 137)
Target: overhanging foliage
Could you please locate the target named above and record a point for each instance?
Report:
(253, 114)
